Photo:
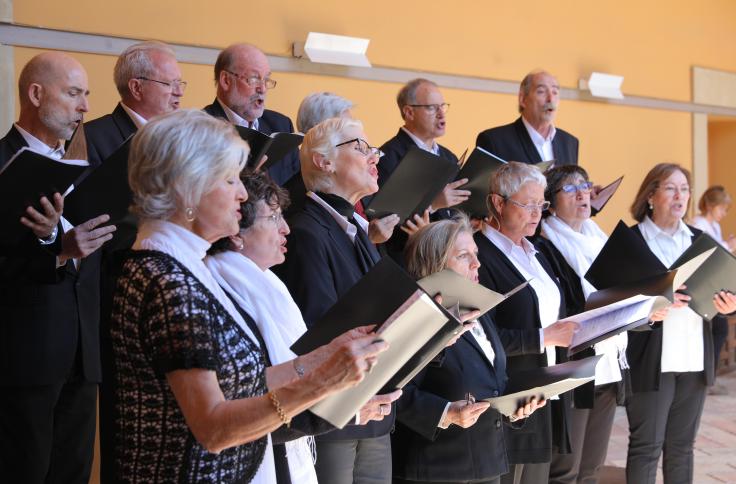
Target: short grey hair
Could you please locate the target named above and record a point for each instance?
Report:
(508, 180)
(135, 61)
(526, 84)
(322, 139)
(319, 106)
(176, 158)
(408, 94)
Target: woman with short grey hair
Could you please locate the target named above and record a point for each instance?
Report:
(527, 321)
(195, 400)
(319, 106)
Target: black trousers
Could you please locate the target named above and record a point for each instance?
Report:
(527, 474)
(665, 421)
(590, 430)
(720, 335)
(363, 461)
(496, 480)
(47, 433)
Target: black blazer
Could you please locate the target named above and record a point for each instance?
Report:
(321, 265)
(513, 143)
(517, 320)
(269, 122)
(47, 313)
(424, 452)
(105, 134)
(644, 352)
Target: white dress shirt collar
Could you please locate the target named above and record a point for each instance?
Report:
(137, 119)
(236, 119)
(542, 144)
(39, 146)
(507, 245)
(434, 149)
(350, 229)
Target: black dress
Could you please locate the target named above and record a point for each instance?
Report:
(165, 319)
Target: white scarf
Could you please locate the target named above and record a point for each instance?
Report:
(267, 300)
(580, 250)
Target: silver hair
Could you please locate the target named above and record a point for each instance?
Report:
(319, 106)
(321, 140)
(508, 180)
(526, 84)
(135, 61)
(176, 158)
(408, 94)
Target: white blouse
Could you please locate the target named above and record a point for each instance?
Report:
(524, 260)
(682, 329)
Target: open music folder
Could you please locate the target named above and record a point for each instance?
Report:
(600, 201)
(627, 263)
(24, 179)
(275, 146)
(478, 169)
(417, 180)
(545, 382)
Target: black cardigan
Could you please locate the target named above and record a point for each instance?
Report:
(517, 320)
(644, 352)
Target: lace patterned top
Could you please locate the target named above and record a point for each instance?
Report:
(165, 319)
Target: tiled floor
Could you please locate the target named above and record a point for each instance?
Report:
(715, 446)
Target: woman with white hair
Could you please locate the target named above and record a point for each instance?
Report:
(195, 400)
(527, 320)
(328, 252)
(319, 106)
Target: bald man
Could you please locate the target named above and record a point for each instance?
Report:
(243, 79)
(49, 299)
(533, 138)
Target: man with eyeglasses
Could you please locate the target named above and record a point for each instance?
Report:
(148, 79)
(423, 109)
(243, 79)
(533, 138)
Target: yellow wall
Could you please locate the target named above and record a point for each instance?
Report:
(721, 157)
(652, 45)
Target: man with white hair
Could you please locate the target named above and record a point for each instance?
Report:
(243, 78)
(148, 79)
(49, 299)
(533, 138)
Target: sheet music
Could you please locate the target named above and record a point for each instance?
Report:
(600, 321)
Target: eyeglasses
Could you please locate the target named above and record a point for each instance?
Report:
(276, 217)
(254, 81)
(584, 187)
(530, 207)
(363, 147)
(173, 85)
(672, 189)
(433, 108)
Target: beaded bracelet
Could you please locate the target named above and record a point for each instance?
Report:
(279, 411)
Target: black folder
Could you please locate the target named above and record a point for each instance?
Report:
(417, 180)
(24, 179)
(105, 190)
(604, 196)
(626, 262)
(545, 382)
(478, 170)
(275, 146)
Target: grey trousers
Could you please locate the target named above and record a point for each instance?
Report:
(590, 430)
(526, 474)
(363, 461)
(487, 481)
(665, 421)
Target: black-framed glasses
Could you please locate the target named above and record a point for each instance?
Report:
(433, 108)
(253, 81)
(363, 147)
(173, 85)
(584, 187)
(530, 207)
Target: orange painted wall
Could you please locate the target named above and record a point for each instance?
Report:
(721, 161)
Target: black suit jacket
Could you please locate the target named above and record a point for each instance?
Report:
(517, 320)
(424, 452)
(105, 134)
(47, 313)
(321, 265)
(644, 352)
(269, 122)
(513, 143)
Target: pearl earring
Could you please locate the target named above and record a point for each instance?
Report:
(189, 214)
